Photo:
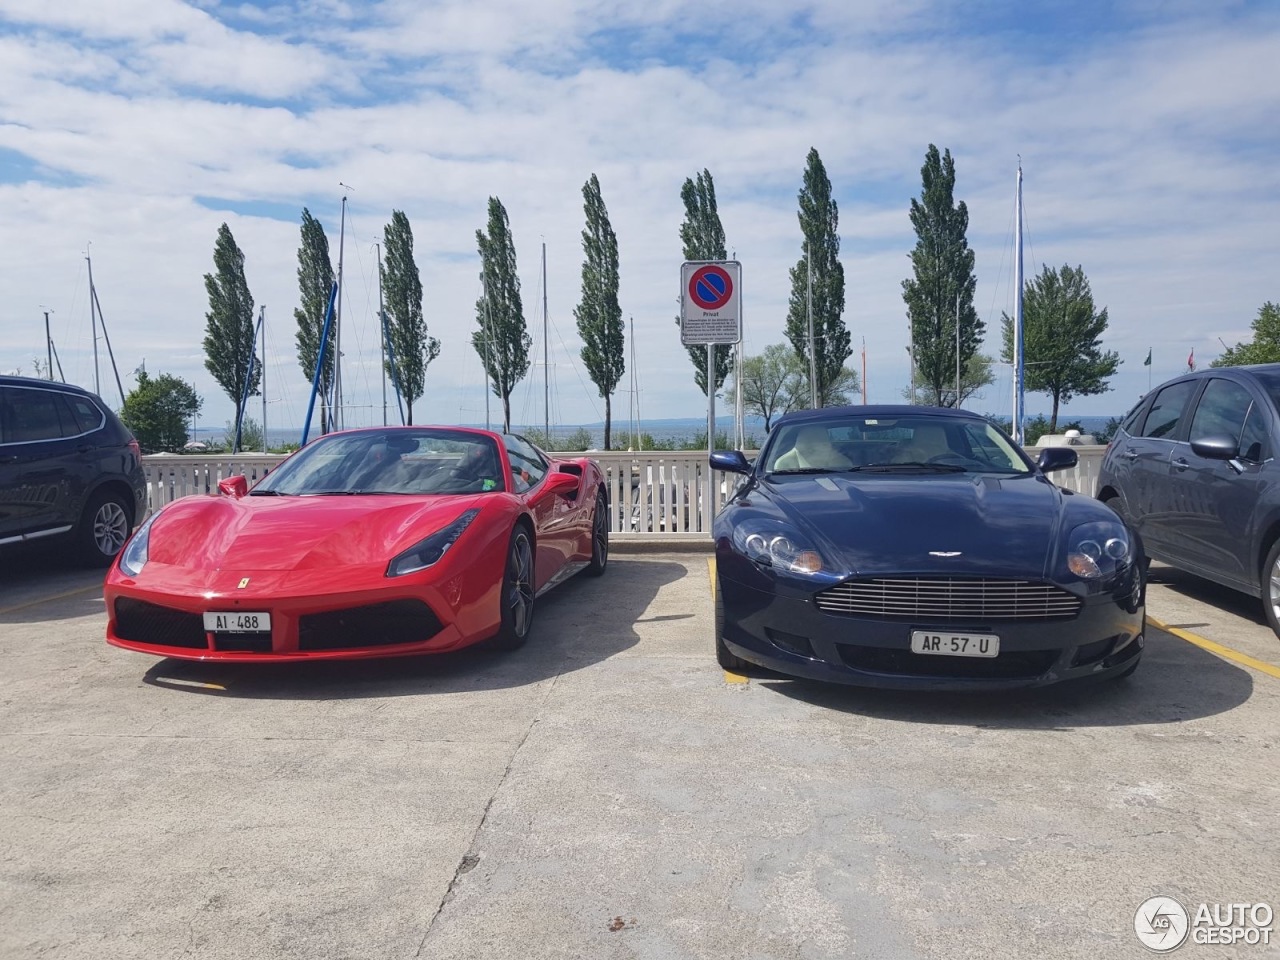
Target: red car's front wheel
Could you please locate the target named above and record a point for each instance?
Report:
(517, 592)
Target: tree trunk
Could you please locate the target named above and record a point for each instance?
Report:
(1053, 421)
(409, 413)
(506, 413)
(608, 420)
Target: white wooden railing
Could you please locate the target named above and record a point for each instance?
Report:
(653, 496)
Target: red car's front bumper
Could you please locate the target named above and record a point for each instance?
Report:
(342, 615)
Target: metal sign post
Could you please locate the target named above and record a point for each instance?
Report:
(710, 314)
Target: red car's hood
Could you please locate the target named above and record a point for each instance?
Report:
(293, 533)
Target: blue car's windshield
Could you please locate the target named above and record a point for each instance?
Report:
(397, 461)
(894, 444)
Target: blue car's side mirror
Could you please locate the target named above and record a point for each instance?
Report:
(730, 461)
(1057, 458)
(1217, 447)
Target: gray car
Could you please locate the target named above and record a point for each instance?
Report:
(1193, 470)
(69, 470)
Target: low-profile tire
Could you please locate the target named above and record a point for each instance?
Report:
(1270, 583)
(104, 528)
(599, 537)
(727, 659)
(517, 592)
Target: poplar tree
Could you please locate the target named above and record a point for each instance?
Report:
(501, 338)
(820, 253)
(1061, 338)
(228, 341)
(702, 236)
(412, 349)
(598, 314)
(943, 278)
(315, 281)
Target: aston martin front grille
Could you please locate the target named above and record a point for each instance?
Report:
(951, 599)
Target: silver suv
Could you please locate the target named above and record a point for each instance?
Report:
(1193, 469)
(69, 470)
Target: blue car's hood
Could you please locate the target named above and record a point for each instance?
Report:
(1000, 526)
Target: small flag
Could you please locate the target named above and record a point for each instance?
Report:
(1191, 359)
(1147, 362)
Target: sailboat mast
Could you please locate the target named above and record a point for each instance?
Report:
(546, 369)
(1019, 414)
(93, 319)
(262, 325)
(336, 418)
(382, 334)
(48, 346)
(813, 359)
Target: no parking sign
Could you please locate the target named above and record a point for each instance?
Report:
(710, 302)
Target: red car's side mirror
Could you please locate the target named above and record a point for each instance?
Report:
(563, 484)
(235, 487)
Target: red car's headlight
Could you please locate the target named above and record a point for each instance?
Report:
(429, 551)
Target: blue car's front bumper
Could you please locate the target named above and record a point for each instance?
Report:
(781, 628)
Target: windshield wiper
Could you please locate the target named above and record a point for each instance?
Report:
(797, 471)
(265, 493)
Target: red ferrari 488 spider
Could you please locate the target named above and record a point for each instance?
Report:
(367, 543)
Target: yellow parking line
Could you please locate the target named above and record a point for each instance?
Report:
(729, 676)
(1219, 649)
(56, 596)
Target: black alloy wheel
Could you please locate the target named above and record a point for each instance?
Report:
(517, 594)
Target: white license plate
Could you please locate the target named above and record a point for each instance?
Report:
(237, 622)
(944, 644)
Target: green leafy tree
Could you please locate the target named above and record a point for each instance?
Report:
(773, 382)
(1061, 339)
(502, 340)
(158, 410)
(940, 294)
(702, 236)
(228, 341)
(251, 437)
(1265, 345)
(819, 221)
(412, 348)
(598, 314)
(315, 281)
(974, 375)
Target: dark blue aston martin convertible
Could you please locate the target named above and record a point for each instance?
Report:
(897, 546)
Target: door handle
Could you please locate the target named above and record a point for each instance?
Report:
(1131, 455)
(1180, 464)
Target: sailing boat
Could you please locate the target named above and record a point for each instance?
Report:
(95, 315)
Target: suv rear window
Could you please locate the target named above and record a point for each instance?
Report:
(32, 414)
(1167, 409)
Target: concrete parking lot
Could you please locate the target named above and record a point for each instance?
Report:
(608, 792)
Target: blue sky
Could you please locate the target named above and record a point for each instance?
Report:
(1147, 133)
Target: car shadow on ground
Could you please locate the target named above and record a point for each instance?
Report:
(581, 622)
(1176, 681)
(34, 575)
(1207, 592)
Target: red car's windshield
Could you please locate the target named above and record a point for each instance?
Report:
(379, 461)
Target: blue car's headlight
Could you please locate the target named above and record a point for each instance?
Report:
(1098, 549)
(771, 543)
(134, 555)
(429, 551)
